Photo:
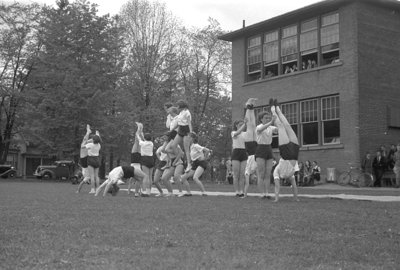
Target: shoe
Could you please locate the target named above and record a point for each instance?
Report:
(237, 195)
(202, 194)
(159, 195)
(169, 195)
(276, 102)
(144, 195)
(92, 191)
(241, 195)
(187, 194)
(136, 195)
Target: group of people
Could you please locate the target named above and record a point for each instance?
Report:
(383, 161)
(179, 157)
(252, 151)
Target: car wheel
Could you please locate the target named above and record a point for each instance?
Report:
(47, 176)
(11, 174)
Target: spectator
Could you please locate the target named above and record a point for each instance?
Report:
(307, 174)
(366, 164)
(396, 168)
(378, 165)
(391, 160)
(287, 70)
(294, 68)
(300, 174)
(309, 64)
(314, 64)
(315, 172)
(269, 74)
(303, 65)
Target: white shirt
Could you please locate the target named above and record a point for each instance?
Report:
(93, 149)
(265, 136)
(184, 118)
(238, 141)
(163, 156)
(146, 148)
(173, 123)
(196, 152)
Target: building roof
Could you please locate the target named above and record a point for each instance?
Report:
(311, 10)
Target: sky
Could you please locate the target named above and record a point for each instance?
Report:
(229, 13)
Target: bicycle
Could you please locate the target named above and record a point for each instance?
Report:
(355, 177)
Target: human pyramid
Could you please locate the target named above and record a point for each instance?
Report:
(181, 157)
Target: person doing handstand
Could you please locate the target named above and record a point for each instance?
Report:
(288, 148)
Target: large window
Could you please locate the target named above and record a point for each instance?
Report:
(254, 58)
(330, 120)
(309, 44)
(289, 49)
(309, 122)
(330, 38)
(271, 54)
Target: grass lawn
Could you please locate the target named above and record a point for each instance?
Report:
(49, 226)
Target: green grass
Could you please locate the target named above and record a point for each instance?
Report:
(49, 226)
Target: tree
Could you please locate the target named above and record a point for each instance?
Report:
(75, 78)
(19, 47)
(205, 73)
(150, 59)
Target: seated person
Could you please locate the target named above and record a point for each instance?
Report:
(316, 172)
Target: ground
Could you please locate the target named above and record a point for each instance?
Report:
(46, 225)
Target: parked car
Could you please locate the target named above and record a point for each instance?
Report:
(62, 170)
(7, 170)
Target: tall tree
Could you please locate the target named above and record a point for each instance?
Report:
(205, 74)
(150, 53)
(75, 78)
(19, 47)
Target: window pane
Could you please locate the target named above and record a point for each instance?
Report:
(309, 111)
(289, 46)
(330, 19)
(310, 133)
(273, 36)
(309, 25)
(331, 131)
(271, 52)
(254, 41)
(290, 112)
(254, 56)
(308, 40)
(330, 108)
(330, 34)
(289, 31)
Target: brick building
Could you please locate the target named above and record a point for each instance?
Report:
(335, 68)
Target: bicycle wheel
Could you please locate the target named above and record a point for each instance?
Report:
(343, 179)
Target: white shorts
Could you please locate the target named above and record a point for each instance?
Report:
(251, 166)
(285, 169)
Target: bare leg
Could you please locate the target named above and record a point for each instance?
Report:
(241, 176)
(96, 175)
(92, 179)
(250, 134)
(294, 187)
(186, 146)
(246, 183)
(261, 169)
(289, 131)
(84, 181)
(177, 176)
(282, 134)
(236, 175)
(100, 187)
(196, 178)
(185, 182)
(146, 181)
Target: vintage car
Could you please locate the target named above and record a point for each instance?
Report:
(7, 170)
(61, 170)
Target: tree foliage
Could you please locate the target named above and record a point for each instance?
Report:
(19, 46)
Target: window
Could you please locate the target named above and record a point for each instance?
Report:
(254, 58)
(289, 49)
(309, 122)
(330, 38)
(394, 117)
(330, 120)
(309, 44)
(271, 54)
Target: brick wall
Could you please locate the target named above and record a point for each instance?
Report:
(379, 74)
